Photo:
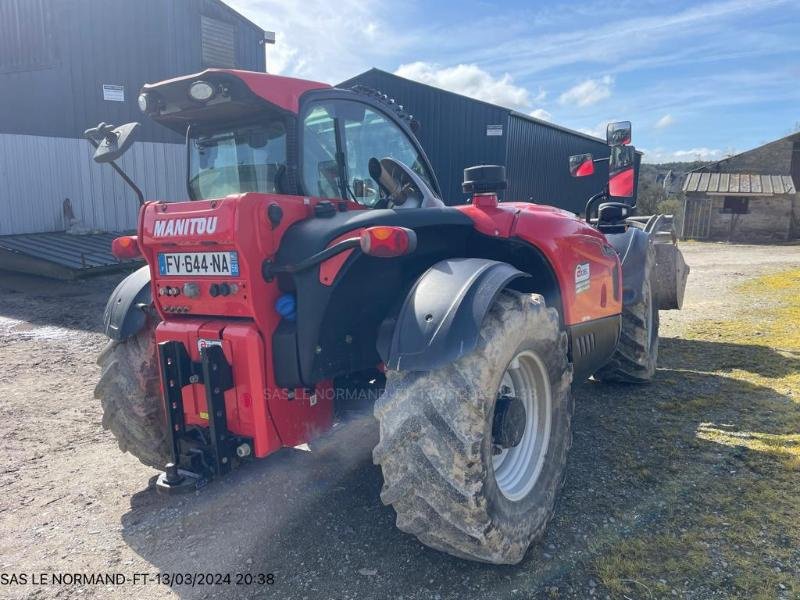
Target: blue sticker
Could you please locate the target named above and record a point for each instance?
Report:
(234, 264)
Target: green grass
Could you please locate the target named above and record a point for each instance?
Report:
(724, 461)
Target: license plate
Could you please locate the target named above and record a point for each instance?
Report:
(199, 263)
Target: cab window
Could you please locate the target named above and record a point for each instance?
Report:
(236, 160)
(340, 137)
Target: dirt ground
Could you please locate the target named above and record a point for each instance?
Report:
(657, 503)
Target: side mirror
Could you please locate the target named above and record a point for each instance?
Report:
(621, 164)
(581, 165)
(618, 134)
(111, 142)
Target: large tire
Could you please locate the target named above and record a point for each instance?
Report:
(436, 446)
(130, 396)
(634, 360)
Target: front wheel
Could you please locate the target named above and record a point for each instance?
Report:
(130, 396)
(474, 454)
(634, 360)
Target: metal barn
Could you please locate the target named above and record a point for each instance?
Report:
(66, 65)
(458, 132)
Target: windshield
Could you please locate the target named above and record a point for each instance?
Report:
(240, 159)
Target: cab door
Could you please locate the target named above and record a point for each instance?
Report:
(339, 135)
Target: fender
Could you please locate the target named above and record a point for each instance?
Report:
(441, 317)
(123, 316)
(632, 249)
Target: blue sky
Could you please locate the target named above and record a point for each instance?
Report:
(698, 79)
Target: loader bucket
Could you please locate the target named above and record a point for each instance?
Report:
(670, 277)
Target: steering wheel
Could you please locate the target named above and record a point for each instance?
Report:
(400, 186)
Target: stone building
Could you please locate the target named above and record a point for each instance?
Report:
(749, 197)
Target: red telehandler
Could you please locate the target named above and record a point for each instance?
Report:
(314, 255)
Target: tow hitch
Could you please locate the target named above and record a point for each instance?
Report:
(198, 453)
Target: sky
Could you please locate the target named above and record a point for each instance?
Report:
(698, 79)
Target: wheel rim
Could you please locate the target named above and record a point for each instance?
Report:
(517, 469)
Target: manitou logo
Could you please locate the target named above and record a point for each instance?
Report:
(195, 226)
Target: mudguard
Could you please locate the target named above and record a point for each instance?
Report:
(632, 249)
(123, 316)
(441, 317)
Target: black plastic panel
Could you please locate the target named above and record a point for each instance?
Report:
(592, 344)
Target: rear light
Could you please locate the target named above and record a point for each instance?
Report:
(387, 242)
(126, 246)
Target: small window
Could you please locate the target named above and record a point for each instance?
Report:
(30, 43)
(736, 205)
(237, 160)
(321, 169)
(218, 42)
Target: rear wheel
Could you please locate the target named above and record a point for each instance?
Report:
(473, 454)
(634, 360)
(130, 396)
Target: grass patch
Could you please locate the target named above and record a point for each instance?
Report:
(723, 460)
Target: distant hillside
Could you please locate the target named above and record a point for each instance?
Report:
(656, 196)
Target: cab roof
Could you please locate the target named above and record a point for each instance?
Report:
(244, 93)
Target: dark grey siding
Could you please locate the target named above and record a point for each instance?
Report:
(55, 56)
(53, 86)
(453, 134)
(453, 127)
(537, 164)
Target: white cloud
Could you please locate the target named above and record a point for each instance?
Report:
(472, 81)
(661, 155)
(542, 114)
(588, 92)
(328, 41)
(698, 154)
(665, 121)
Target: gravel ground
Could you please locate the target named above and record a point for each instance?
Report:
(70, 502)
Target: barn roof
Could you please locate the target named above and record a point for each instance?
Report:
(738, 183)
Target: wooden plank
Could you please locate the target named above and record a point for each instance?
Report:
(713, 182)
(691, 182)
(703, 185)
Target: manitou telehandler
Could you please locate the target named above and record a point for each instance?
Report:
(314, 252)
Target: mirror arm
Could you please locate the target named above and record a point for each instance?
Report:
(590, 203)
(122, 174)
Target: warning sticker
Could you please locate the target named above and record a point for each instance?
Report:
(205, 343)
(582, 277)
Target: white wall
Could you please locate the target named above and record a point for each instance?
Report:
(37, 173)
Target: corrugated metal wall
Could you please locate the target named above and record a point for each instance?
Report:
(55, 57)
(38, 173)
(96, 42)
(537, 165)
(454, 136)
(453, 127)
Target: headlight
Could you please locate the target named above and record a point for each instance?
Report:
(145, 103)
(202, 91)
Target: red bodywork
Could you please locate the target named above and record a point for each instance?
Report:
(243, 322)
(256, 406)
(567, 242)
